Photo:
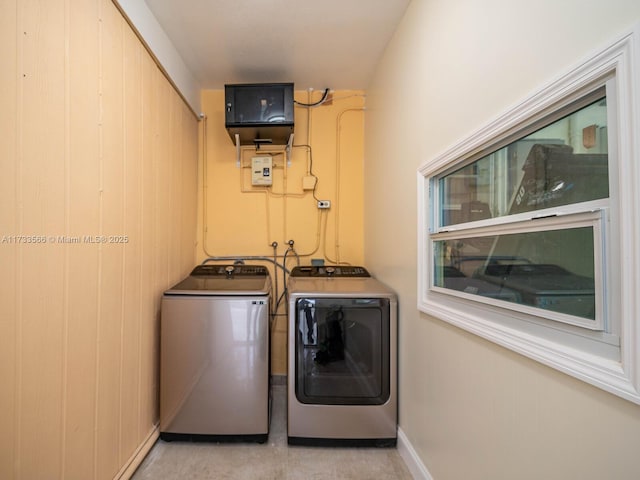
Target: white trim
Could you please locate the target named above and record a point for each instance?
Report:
(411, 458)
(163, 50)
(613, 368)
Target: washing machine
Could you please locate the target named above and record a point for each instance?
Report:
(214, 355)
(342, 358)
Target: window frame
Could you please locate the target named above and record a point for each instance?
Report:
(608, 359)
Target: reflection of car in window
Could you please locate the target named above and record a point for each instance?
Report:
(545, 286)
(454, 279)
(517, 280)
(469, 264)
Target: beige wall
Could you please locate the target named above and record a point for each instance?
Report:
(243, 220)
(471, 409)
(94, 141)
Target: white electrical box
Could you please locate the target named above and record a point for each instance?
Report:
(309, 182)
(261, 171)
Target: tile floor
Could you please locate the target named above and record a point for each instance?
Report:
(273, 460)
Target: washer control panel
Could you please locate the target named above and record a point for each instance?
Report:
(230, 270)
(341, 271)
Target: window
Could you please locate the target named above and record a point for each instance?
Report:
(524, 226)
(560, 170)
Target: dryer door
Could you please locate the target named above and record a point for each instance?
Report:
(342, 351)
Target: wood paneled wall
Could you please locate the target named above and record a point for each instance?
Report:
(98, 187)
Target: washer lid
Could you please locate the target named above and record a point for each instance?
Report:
(224, 280)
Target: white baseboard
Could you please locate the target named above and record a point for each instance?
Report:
(411, 458)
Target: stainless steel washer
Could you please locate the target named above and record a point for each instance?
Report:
(214, 349)
(342, 362)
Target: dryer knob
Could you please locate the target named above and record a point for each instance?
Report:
(330, 270)
(229, 270)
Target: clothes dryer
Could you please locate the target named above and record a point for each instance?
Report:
(214, 349)
(342, 358)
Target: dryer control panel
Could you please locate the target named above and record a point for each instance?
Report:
(342, 271)
(230, 270)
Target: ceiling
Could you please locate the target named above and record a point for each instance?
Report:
(314, 44)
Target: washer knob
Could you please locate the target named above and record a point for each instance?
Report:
(229, 270)
(330, 270)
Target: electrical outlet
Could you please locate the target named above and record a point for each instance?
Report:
(324, 203)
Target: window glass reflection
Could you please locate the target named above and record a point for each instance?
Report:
(561, 164)
(552, 270)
